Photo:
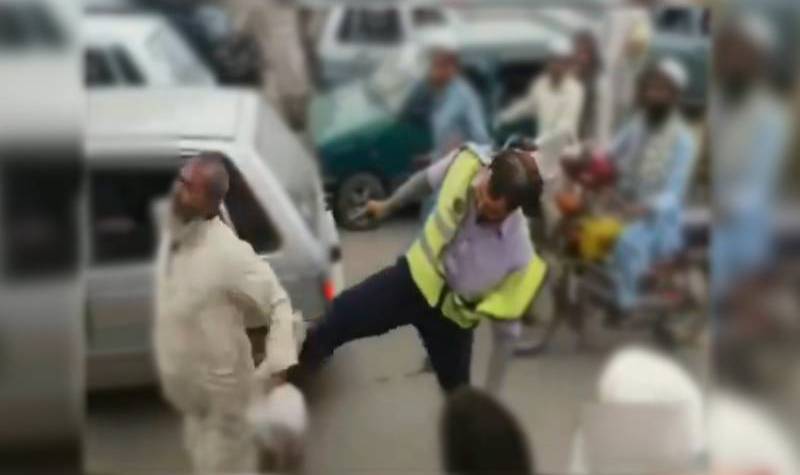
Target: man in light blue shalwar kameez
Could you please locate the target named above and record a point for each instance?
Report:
(456, 114)
(654, 154)
(749, 142)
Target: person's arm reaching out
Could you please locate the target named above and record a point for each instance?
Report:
(420, 185)
(522, 107)
(414, 189)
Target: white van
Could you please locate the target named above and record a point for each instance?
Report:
(356, 38)
(139, 50)
(135, 141)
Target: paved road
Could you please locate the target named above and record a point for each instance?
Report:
(372, 412)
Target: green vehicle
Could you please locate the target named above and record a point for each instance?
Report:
(369, 139)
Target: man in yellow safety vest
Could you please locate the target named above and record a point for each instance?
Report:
(473, 260)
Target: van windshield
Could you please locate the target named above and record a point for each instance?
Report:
(291, 164)
(393, 81)
(186, 68)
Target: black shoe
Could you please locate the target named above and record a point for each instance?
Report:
(298, 376)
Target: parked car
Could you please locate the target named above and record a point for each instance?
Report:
(355, 38)
(369, 137)
(139, 50)
(207, 30)
(136, 139)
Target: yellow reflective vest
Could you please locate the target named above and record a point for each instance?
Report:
(509, 299)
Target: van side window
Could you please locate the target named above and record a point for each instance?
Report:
(29, 25)
(381, 26)
(249, 217)
(98, 69)
(423, 17)
(676, 20)
(122, 205)
(130, 72)
(347, 30)
(41, 234)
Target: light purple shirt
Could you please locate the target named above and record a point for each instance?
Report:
(481, 255)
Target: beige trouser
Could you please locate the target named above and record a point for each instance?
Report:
(219, 443)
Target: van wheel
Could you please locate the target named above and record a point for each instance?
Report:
(351, 198)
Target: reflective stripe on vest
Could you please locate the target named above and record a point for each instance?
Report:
(512, 296)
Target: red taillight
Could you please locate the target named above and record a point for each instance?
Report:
(328, 290)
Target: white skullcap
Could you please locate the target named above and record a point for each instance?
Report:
(758, 30)
(559, 47)
(640, 375)
(439, 40)
(280, 413)
(744, 436)
(675, 71)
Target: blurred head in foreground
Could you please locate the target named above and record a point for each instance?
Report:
(279, 421)
(660, 88)
(479, 436)
(200, 187)
(643, 375)
(636, 378)
(742, 50)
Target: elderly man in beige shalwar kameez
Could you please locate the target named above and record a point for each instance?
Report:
(211, 286)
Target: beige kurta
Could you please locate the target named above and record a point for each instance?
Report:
(275, 25)
(211, 286)
(557, 108)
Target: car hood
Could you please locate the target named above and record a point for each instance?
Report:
(343, 111)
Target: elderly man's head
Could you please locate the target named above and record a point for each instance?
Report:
(200, 187)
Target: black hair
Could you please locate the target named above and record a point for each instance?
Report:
(480, 436)
(515, 178)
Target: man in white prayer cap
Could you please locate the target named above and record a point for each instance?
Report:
(654, 155)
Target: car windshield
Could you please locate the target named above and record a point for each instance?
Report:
(393, 81)
(186, 68)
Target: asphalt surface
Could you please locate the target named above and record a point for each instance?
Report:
(372, 411)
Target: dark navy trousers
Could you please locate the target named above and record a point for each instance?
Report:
(387, 300)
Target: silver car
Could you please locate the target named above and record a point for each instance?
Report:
(135, 141)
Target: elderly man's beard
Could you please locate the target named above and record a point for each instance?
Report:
(656, 114)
